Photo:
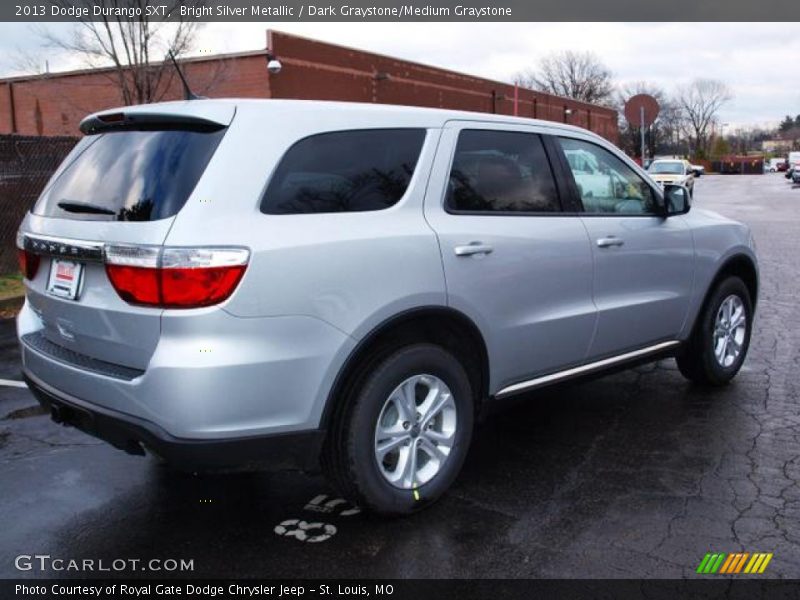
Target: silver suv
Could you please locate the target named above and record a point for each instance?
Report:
(227, 282)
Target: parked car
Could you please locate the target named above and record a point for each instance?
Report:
(698, 170)
(796, 175)
(783, 167)
(672, 171)
(775, 165)
(237, 282)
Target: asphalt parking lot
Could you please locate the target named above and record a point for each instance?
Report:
(638, 474)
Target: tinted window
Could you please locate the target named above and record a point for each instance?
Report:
(501, 171)
(130, 175)
(344, 171)
(605, 183)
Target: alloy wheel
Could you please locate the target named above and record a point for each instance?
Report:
(730, 328)
(415, 431)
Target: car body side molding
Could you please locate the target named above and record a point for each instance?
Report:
(530, 384)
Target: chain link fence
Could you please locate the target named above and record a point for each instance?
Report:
(26, 163)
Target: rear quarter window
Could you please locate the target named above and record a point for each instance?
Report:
(344, 171)
(129, 175)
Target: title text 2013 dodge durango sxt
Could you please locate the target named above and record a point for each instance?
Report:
(221, 282)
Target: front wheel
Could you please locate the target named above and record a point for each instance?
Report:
(718, 346)
(402, 438)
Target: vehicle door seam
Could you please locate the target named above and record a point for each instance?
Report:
(428, 223)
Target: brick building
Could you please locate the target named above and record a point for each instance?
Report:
(53, 104)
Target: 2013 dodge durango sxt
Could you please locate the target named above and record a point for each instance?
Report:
(221, 282)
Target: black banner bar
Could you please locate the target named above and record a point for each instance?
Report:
(408, 589)
(399, 10)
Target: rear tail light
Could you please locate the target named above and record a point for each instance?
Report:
(175, 277)
(28, 261)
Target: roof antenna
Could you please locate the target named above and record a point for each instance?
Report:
(188, 94)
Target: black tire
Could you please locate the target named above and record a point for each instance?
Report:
(349, 459)
(697, 362)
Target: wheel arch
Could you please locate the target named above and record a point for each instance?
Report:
(739, 265)
(441, 325)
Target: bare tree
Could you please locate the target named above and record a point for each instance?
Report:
(29, 62)
(578, 75)
(700, 101)
(136, 49)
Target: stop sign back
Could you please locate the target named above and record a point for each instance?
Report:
(634, 106)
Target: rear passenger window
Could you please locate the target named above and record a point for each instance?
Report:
(501, 171)
(344, 171)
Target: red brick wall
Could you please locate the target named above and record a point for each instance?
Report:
(55, 104)
(313, 69)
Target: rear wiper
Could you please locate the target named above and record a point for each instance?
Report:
(84, 207)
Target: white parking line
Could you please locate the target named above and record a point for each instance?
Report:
(13, 383)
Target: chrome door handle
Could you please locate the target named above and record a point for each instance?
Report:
(473, 248)
(608, 242)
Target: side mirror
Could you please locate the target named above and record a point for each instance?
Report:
(676, 200)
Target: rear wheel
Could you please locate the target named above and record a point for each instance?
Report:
(403, 435)
(718, 346)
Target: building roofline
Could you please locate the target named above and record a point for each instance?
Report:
(92, 71)
(428, 66)
(265, 51)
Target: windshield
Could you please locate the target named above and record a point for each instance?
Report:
(667, 168)
(129, 175)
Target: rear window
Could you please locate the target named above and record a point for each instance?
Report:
(129, 175)
(344, 171)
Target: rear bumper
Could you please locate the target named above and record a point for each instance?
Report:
(298, 450)
(212, 376)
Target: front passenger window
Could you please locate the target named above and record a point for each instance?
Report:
(605, 183)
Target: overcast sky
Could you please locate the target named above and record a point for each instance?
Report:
(754, 59)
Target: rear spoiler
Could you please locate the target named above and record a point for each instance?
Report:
(142, 121)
